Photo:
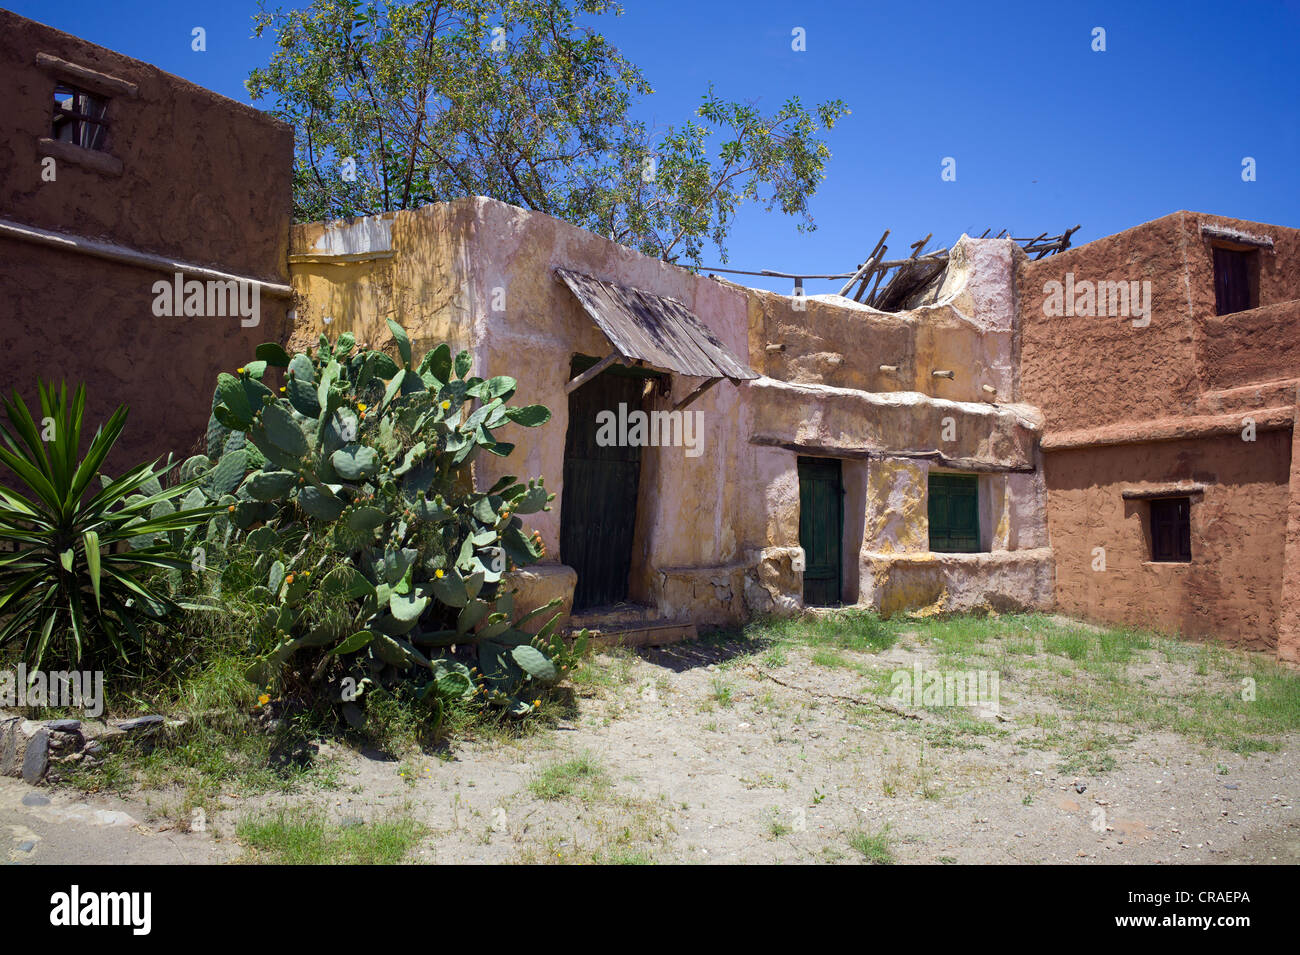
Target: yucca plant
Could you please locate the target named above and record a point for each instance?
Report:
(71, 581)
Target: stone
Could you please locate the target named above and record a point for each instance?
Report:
(35, 799)
(36, 758)
(64, 726)
(9, 758)
(355, 718)
(140, 724)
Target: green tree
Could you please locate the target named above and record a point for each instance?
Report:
(402, 103)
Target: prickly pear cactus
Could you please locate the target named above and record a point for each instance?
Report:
(348, 470)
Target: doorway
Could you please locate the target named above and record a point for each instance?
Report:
(598, 503)
(821, 527)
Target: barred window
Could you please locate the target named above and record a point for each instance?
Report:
(80, 118)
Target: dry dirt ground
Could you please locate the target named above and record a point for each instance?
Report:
(792, 752)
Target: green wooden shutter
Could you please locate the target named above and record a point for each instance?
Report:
(954, 513)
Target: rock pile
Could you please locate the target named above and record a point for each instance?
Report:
(38, 750)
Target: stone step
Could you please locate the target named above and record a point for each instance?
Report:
(635, 633)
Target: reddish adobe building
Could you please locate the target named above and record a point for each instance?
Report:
(1166, 360)
(117, 176)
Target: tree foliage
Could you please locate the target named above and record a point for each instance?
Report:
(397, 104)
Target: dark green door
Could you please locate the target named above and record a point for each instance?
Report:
(821, 522)
(598, 504)
(954, 513)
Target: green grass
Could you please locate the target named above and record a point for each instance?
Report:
(833, 659)
(874, 847)
(1108, 684)
(622, 857)
(721, 692)
(223, 746)
(1089, 755)
(776, 827)
(219, 746)
(858, 630)
(608, 669)
(1072, 644)
(583, 775)
(306, 838)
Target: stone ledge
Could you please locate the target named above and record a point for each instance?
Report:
(987, 558)
(103, 163)
(844, 422)
(1170, 429)
(930, 583)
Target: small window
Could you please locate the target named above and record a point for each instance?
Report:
(954, 513)
(80, 118)
(1171, 529)
(1236, 279)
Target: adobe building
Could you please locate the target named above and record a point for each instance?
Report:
(829, 454)
(1165, 360)
(116, 177)
(1109, 430)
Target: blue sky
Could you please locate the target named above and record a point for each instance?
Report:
(1046, 133)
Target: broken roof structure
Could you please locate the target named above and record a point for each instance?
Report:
(655, 331)
(890, 285)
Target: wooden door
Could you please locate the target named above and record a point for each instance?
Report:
(598, 504)
(821, 524)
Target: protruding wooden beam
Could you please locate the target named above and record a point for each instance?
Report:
(696, 394)
(612, 358)
(864, 270)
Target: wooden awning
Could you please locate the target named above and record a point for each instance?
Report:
(655, 330)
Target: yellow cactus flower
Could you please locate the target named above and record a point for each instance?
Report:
(446, 405)
(361, 406)
(438, 574)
